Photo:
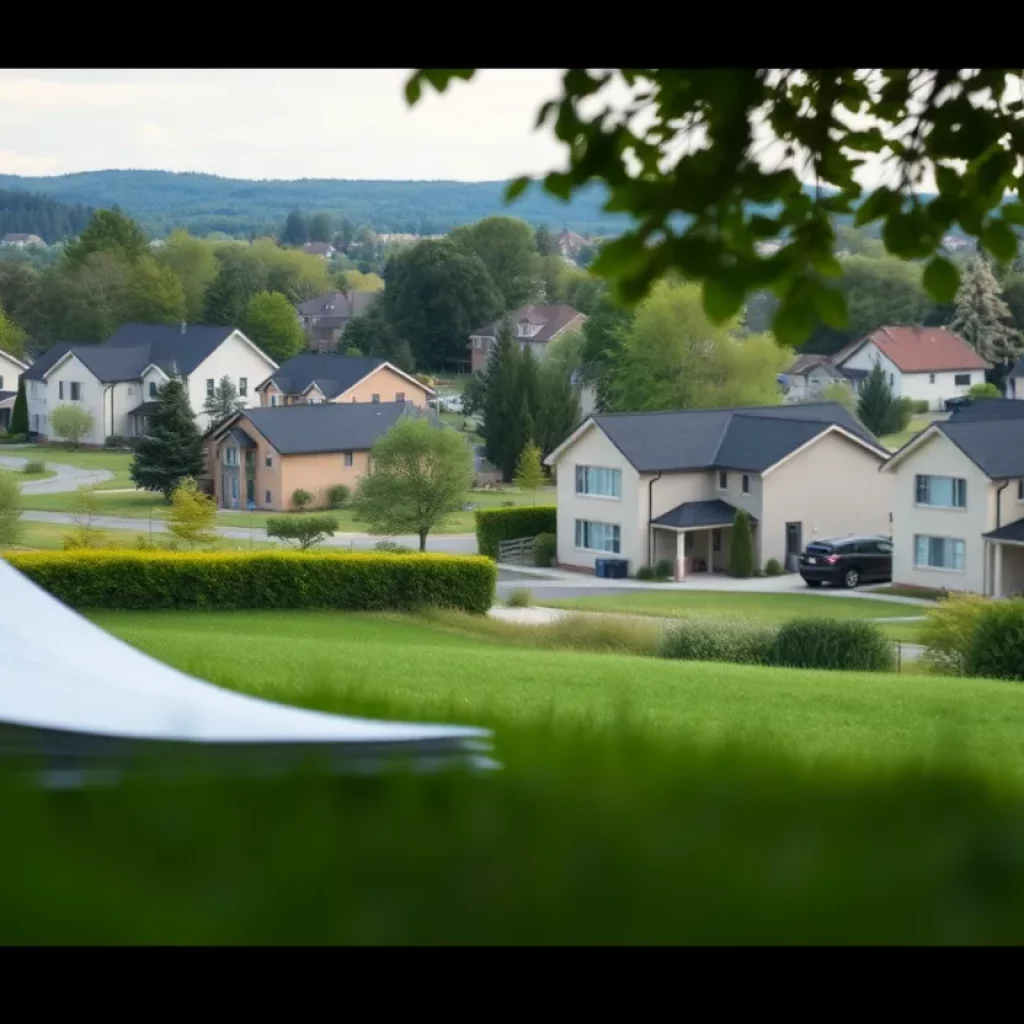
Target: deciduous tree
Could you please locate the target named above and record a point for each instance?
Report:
(270, 322)
(296, 229)
(306, 530)
(420, 474)
(156, 294)
(529, 471)
(192, 515)
(194, 263)
(12, 337)
(110, 231)
(70, 423)
(507, 248)
(173, 448)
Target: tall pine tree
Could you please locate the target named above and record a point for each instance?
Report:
(878, 408)
(558, 407)
(173, 448)
(982, 318)
(501, 402)
(19, 414)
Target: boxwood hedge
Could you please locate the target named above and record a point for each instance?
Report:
(147, 581)
(494, 525)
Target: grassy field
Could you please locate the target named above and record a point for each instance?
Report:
(915, 426)
(142, 504)
(25, 478)
(641, 801)
(50, 537)
(116, 462)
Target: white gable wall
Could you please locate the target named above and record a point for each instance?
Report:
(10, 373)
(235, 358)
(71, 370)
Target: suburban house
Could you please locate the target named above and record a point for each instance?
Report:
(322, 249)
(20, 241)
(667, 485)
(119, 379)
(11, 370)
(260, 457)
(1014, 384)
(311, 379)
(325, 318)
(533, 327)
(958, 504)
(928, 364)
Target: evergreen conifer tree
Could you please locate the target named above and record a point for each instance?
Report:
(741, 547)
(19, 415)
(982, 318)
(173, 448)
(878, 408)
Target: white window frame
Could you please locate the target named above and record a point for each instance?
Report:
(153, 389)
(957, 480)
(722, 480)
(581, 536)
(243, 387)
(211, 387)
(75, 386)
(583, 472)
(953, 541)
(745, 484)
(959, 382)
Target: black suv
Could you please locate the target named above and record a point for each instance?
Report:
(847, 561)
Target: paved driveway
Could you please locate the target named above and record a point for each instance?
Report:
(68, 478)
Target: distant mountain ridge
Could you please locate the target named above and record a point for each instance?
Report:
(162, 200)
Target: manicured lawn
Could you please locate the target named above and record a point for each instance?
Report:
(916, 425)
(116, 462)
(763, 607)
(402, 666)
(25, 478)
(50, 537)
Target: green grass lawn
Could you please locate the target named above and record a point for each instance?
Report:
(457, 420)
(640, 801)
(915, 426)
(25, 478)
(762, 607)
(116, 462)
(50, 537)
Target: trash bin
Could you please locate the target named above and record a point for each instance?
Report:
(601, 567)
(618, 568)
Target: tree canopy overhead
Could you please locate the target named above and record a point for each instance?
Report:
(689, 153)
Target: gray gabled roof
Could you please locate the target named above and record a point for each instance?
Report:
(995, 446)
(339, 304)
(1011, 531)
(751, 439)
(692, 514)
(334, 375)
(988, 409)
(328, 427)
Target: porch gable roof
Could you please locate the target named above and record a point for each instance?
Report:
(692, 515)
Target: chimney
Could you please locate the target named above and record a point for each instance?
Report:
(183, 325)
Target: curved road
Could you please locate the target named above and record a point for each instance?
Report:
(66, 478)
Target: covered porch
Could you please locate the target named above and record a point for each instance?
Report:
(138, 418)
(1004, 561)
(695, 537)
(235, 484)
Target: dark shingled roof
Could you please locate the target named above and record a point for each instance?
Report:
(125, 354)
(146, 409)
(746, 439)
(332, 374)
(699, 513)
(329, 427)
(343, 305)
(1011, 531)
(995, 446)
(988, 409)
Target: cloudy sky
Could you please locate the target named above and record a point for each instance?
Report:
(274, 124)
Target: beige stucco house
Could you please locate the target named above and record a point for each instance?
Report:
(958, 504)
(648, 486)
(258, 458)
(313, 378)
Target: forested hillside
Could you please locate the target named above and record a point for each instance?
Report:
(162, 200)
(30, 213)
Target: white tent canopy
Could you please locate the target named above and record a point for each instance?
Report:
(70, 690)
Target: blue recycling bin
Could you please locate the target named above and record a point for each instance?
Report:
(601, 567)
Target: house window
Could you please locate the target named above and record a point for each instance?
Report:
(1, 382)
(230, 456)
(962, 380)
(892, 380)
(348, 459)
(243, 387)
(60, 391)
(152, 389)
(938, 553)
(941, 491)
(375, 399)
(1020, 490)
(267, 502)
(931, 378)
(597, 536)
(76, 391)
(211, 385)
(723, 481)
(601, 483)
(269, 461)
(745, 483)
(399, 396)
(273, 400)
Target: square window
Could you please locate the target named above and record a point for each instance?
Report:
(348, 459)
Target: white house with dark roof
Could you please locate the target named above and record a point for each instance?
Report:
(667, 485)
(533, 327)
(119, 379)
(11, 369)
(958, 503)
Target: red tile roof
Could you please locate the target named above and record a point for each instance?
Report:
(926, 349)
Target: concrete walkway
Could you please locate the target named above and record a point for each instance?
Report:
(66, 478)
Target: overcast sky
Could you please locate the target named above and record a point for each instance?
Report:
(274, 124)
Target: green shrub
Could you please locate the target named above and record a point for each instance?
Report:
(920, 405)
(664, 569)
(306, 531)
(392, 547)
(545, 547)
(997, 641)
(494, 525)
(301, 498)
(146, 581)
(947, 631)
(645, 572)
(696, 639)
(773, 567)
(114, 441)
(519, 597)
(843, 644)
(33, 466)
(10, 510)
(337, 496)
(12, 439)
(741, 547)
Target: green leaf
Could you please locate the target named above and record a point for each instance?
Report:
(941, 279)
(794, 319)
(413, 89)
(998, 237)
(722, 300)
(1014, 213)
(516, 188)
(558, 184)
(830, 305)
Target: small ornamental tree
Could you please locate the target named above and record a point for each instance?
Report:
(529, 472)
(70, 423)
(306, 531)
(192, 515)
(984, 390)
(741, 547)
(173, 448)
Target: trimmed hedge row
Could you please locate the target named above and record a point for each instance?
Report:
(494, 525)
(149, 581)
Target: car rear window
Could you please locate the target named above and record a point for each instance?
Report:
(819, 549)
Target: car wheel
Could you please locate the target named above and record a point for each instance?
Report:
(813, 583)
(851, 578)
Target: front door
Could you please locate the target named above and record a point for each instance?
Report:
(250, 492)
(794, 542)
